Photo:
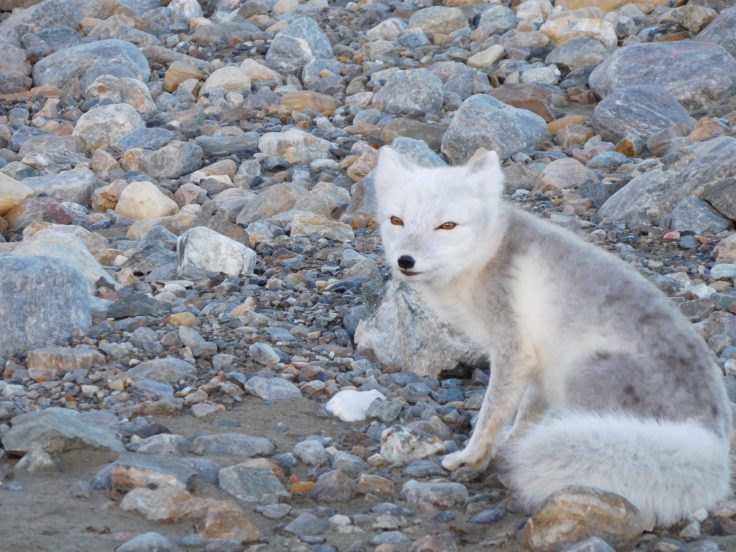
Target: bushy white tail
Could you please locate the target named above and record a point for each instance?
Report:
(665, 468)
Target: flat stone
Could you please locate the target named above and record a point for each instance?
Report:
(410, 92)
(695, 215)
(232, 79)
(247, 484)
(485, 59)
(575, 514)
(485, 122)
(206, 249)
(133, 470)
(57, 431)
(102, 126)
(60, 68)
(152, 138)
(49, 299)
(698, 74)
(143, 200)
(272, 389)
(442, 494)
(164, 370)
(75, 185)
(235, 444)
(50, 363)
(401, 445)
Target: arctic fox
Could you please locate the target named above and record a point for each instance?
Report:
(624, 394)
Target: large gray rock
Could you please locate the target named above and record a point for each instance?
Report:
(75, 185)
(173, 160)
(15, 70)
(439, 20)
(695, 215)
(301, 42)
(698, 74)
(164, 370)
(44, 15)
(44, 300)
(250, 484)
(61, 67)
(485, 122)
(57, 431)
(101, 127)
(411, 92)
(722, 31)
(402, 331)
(206, 249)
(62, 152)
(578, 52)
(460, 79)
(707, 171)
(639, 110)
(497, 20)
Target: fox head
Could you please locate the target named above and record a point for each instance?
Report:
(437, 223)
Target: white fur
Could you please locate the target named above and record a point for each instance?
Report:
(558, 318)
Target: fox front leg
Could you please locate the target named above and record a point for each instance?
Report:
(510, 380)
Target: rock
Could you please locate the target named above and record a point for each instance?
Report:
(401, 331)
(485, 59)
(239, 444)
(305, 224)
(577, 53)
(132, 470)
(12, 192)
(400, 445)
(57, 431)
(704, 172)
(311, 451)
(34, 461)
(148, 138)
(272, 389)
(487, 517)
(15, 72)
(721, 30)
(63, 67)
(723, 270)
(350, 405)
(294, 145)
(567, 25)
(75, 185)
(143, 200)
(410, 92)
(333, 486)
(593, 544)
(434, 543)
(438, 20)
(299, 43)
(575, 514)
(264, 354)
(565, 173)
(179, 72)
(271, 201)
(101, 127)
(442, 494)
(49, 363)
(251, 484)
(309, 101)
(232, 79)
(171, 161)
(698, 74)
(259, 73)
(146, 542)
(49, 300)
(375, 484)
(606, 5)
(42, 15)
(497, 20)
(484, 121)
(164, 370)
(535, 97)
(725, 251)
(206, 249)
(639, 110)
(122, 90)
(226, 521)
(695, 215)
(164, 504)
(307, 523)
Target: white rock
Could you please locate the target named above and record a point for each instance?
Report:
(228, 78)
(186, 9)
(143, 200)
(105, 125)
(485, 58)
(350, 405)
(402, 445)
(206, 249)
(258, 72)
(303, 224)
(294, 145)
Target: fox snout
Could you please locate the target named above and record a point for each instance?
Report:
(406, 262)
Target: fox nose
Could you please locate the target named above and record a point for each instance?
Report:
(406, 262)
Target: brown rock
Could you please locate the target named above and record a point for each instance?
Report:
(608, 5)
(166, 504)
(706, 128)
(107, 197)
(535, 97)
(333, 486)
(363, 165)
(574, 514)
(558, 124)
(37, 208)
(50, 363)
(564, 173)
(178, 72)
(225, 520)
(573, 135)
(375, 484)
(307, 100)
(431, 133)
(182, 319)
(725, 251)
(12, 192)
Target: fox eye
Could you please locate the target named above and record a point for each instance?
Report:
(446, 226)
(396, 221)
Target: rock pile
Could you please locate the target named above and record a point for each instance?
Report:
(189, 267)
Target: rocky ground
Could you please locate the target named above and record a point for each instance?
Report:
(190, 271)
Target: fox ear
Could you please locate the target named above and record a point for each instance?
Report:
(484, 169)
(390, 169)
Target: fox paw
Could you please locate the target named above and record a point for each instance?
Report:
(470, 457)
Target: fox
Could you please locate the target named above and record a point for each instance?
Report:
(602, 381)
